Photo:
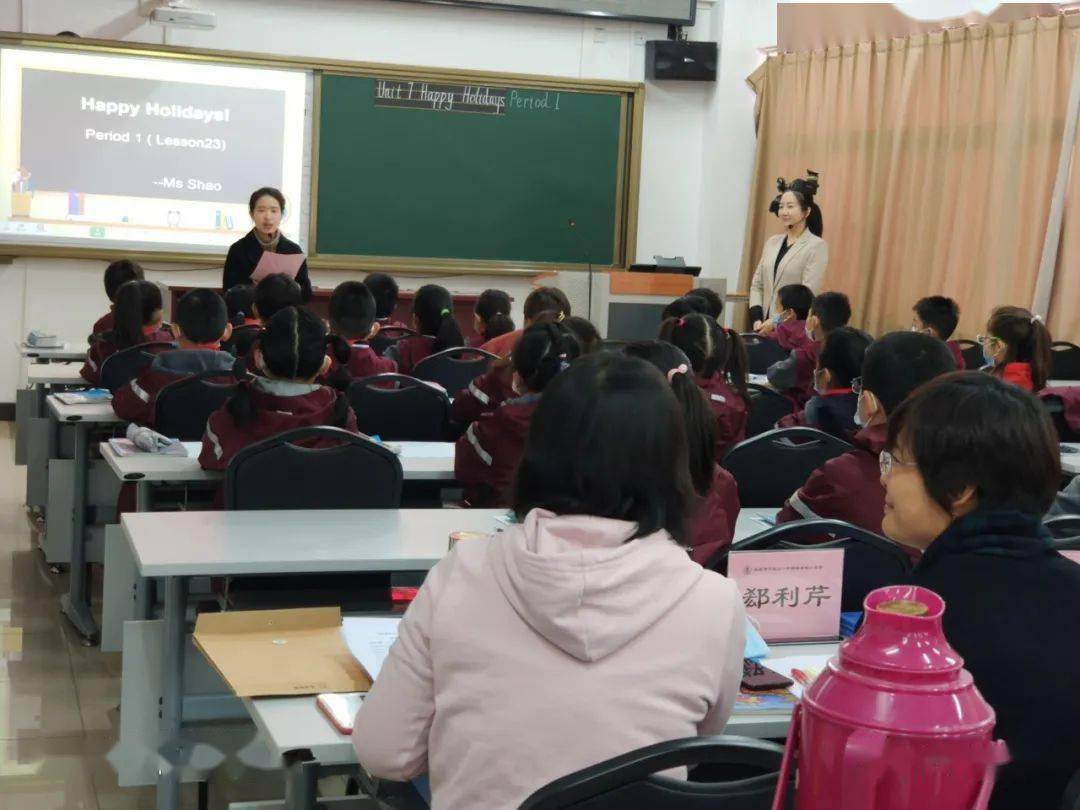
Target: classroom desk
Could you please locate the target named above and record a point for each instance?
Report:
(1062, 383)
(83, 418)
(299, 734)
(42, 355)
(59, 373)
(31, 418)
(177, 546)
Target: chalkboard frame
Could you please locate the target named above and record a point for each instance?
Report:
(624, 236)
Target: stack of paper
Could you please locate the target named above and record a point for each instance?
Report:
(369, 639)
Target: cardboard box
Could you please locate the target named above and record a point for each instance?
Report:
(267, 653)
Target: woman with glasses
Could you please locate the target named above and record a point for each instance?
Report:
(1016, 347)
(970, 466)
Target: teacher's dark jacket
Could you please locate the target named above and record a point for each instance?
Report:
(1011, 608)
(244, 255)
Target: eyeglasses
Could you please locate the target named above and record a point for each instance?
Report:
(856, 386)
(986, 340)
(886, 462)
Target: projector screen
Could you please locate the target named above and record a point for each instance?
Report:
(145, 153)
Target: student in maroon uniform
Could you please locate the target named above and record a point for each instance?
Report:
(352, 318)
(832, 408)
(117, 273)
(712, 299)
(272, 294)
(716, 508)
(291, 354)
(718, 358)
(848, 487)
(686, 305)
(542, 299)
(938, 316)
(200, 325)
(137, 316)
(829, 312)
(491, 317)
(587, 334)
(488, 454)
(433, 321)
(1017, 346)
(385, 290)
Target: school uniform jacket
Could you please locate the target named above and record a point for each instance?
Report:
(713, 524)
(105, 346)
(409, 351)
(243, 257)
(796, 371)
(729, 409)
(487, 456)
(503, 344)
(105, 323)
(804, 263)
(484, 394)
(363, 362)
(1019, 374)
(389, 322)
(135, 401)
(957, 353)
(279, 406)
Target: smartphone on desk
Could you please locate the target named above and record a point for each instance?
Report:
(340, 709)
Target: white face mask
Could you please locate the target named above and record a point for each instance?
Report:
(860, 419)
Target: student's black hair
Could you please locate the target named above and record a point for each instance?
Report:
(202, 316)
(433, 307)
(293, 347)
(701, 426)
(686, 305)
(798, 298)
(542, 351)
(587, 334)
(843, 355)
(940, 313)
(498, 324)
(136, 303)
(712, 298)
(899, 362)
(579, 459)
(833, 309)
(544, 299)
(352, 310)
(712, 349)
(274, 293)
(968, 429)
(385, 290)
(266, 191)
(492, 302)
(120, 272)
(1027, 340)
(240, 302)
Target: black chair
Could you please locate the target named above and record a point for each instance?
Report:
(1064, 360)
(630, 781)
(182, 407)
(454, 368)
(281, 473)
(767, 407)
(762, 352)
(387, 337)
(972, 354)
(870, 560)
(1071, 799)
(612, 345)
(241, 340)
(771, 466)
(123, 366)
(1055, 406)
(396, 407)
(1064, 526)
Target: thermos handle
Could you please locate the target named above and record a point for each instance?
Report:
(999, 755)
(790, 754)
(865, 748)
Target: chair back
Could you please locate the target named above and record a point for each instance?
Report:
(1071, 799)
(767, 407)
(762, 352)
(972, 354)
(241, 340)
(1064, 360)
(1055, 406)
(630, 781)
(769, 467)
(1065, 530)
(870, 560)
(182, 407)
(387, 337)
(612, 345)
(454, 368)
(396, 407)
(314, 468)
(123, 366)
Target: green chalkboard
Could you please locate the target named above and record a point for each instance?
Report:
(410, 181)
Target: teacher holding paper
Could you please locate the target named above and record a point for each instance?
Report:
(266, 206)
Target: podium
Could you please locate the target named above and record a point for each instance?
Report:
(629, 306)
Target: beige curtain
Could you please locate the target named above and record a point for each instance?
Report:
(1064, 316)
(937, 155)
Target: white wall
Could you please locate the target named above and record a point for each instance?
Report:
(698, 138)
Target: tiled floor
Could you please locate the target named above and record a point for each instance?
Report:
(59, 700)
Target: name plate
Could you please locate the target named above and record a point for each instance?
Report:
(791, 595)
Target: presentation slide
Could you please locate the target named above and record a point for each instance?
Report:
(146, 153)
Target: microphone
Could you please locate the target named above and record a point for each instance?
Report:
(571, 223)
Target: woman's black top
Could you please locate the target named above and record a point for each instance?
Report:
(244, 255)
(784, 248)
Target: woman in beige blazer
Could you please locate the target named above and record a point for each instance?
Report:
(797, 256)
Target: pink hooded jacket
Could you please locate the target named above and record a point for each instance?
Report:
(545, 649)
